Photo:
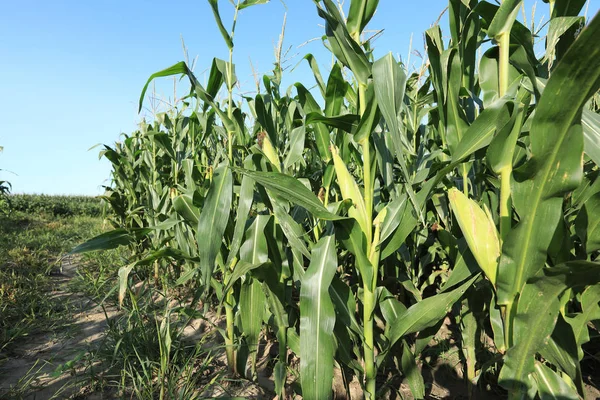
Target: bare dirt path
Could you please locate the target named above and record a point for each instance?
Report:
(30, 371)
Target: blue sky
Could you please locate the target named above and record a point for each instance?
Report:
(72, 71)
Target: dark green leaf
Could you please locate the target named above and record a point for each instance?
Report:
(111, 240)
(555, 168)
(292, 190)
(213, 220)
(317, 319)
(214, 4)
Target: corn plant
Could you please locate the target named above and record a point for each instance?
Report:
(5, 188)
(351, 230)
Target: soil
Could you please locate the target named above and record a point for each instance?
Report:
(30, 370)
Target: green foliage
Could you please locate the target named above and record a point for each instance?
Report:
(351, 231)
(60, 206)
(30, 247)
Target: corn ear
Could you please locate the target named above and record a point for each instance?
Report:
(351, 191)
(479, 230)
(269, 150)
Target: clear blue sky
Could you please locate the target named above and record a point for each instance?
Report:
(71, 72)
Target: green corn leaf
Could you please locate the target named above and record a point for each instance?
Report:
(314, 66)
(567, 8)
(489, 72)
(497, 324)
(276, 301)
(411, 370)
(456, 124)
(396, 210)
(291, 229)
(297, 139)
(310, 105)
(385, 159)
(182, 68)
(518, 32)
(184, 206)
(481, 132)
(465, 266)
(558, 26)
(501, 151)
(400, 221)
(591, 135)
(371, 116)
(504, 18)
(213, 220)
(214, 4)
(427, 312)
(249, 3)
(165, 252)
(352, 237)
(292, 190)
(346, 122)
(335, 92)
(216, 78)
(345, 305)
(243, 209)
(561, 351)
(536, 316)
(479, 230)
(317, 319)
(590, 122)
(590, 311)
(552, 386)
(587, 224)
(112, 240)
(254, 250)
(555, 168)
(263, 114)
(389, 82)
(293, 340)
(359, 15)
(218, 75)
(252, 310)
(390, 307)
(343, 46)
(276, 292)
(470, 331)
(164, 142)
(241, 269)
(280, 370)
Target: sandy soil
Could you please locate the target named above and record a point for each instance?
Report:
(34, 362)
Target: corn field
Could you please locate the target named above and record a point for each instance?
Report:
(350, 220)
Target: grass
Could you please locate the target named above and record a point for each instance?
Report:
(30, 250)
(143, 349)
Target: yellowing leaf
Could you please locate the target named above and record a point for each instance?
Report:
(479, 230)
